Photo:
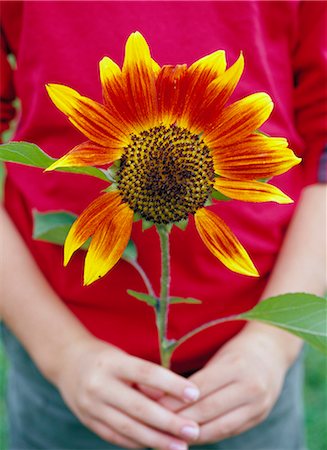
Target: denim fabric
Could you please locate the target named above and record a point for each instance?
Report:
(39, 419)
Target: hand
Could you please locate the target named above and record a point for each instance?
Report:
(98, 383)
(240, 385)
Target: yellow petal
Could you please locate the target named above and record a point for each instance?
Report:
(139, 80)
(254, 157)
(108, 243)
(251, 191)
(240, 119)
(220, 240)
(214, 64)
(155, 67)
(91, 118)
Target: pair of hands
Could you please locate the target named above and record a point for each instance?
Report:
(134, 403)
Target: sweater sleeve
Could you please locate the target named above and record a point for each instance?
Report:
(310, 93)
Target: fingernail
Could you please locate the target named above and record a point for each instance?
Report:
(191, 394)
(178, 446)
(190, 432)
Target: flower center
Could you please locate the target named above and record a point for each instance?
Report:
(166, 173)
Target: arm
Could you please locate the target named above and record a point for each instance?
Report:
(251, 376)
(94, 377)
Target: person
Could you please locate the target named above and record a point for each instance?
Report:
(84, 365)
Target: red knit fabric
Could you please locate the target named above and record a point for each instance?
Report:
(62, 42)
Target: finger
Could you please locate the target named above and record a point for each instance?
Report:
(231, 424)
(152, 375)
(214, 376)
(139, 432)
(153, 393)
(147, 411)
(112, 436)
(171, 403)
(208, 382)
(218, 403)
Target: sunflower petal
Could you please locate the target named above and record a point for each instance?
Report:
(108, 243)
(114, 94)
(88, 222)
(211, 65)
(91, 118)
(240, 119)
(87, 154)
(220, 240)
(168, 85)
(255, 157)
(139, 79)
(199, 76)
(216, 95)
(155, 67)
(251, 191)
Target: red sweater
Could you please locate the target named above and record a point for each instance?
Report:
(62, 42)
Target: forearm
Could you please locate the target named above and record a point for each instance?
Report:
(30, 307)
(300, 267)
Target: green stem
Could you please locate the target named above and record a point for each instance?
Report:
(163, 306)
(204, 327)
(143, 275)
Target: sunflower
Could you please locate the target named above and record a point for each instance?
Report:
(175, 145)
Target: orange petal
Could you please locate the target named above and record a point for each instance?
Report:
(139, 80)
(108, 243)
(87, 154)
(240, 119)
(199, 76)
(169, 84)
(91, 118)
(222, 243)
(251, 191)
(255, 157)
(215, 97)
(88, 222)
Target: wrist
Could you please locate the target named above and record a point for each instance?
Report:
(283, 345)
(53, 356)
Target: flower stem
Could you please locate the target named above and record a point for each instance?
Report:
(163, 305)
(143, 275)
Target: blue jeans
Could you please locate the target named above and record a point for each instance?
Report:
(39, 419)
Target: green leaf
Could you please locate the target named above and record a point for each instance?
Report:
(191, 300)
(112, 171)
(52, 226)
(2, 180)
(182, 224)
(304, 315)
(219, 196)
(149, 299)
(137, 217)
(130, 253)
(146, 224)
(31, 155)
